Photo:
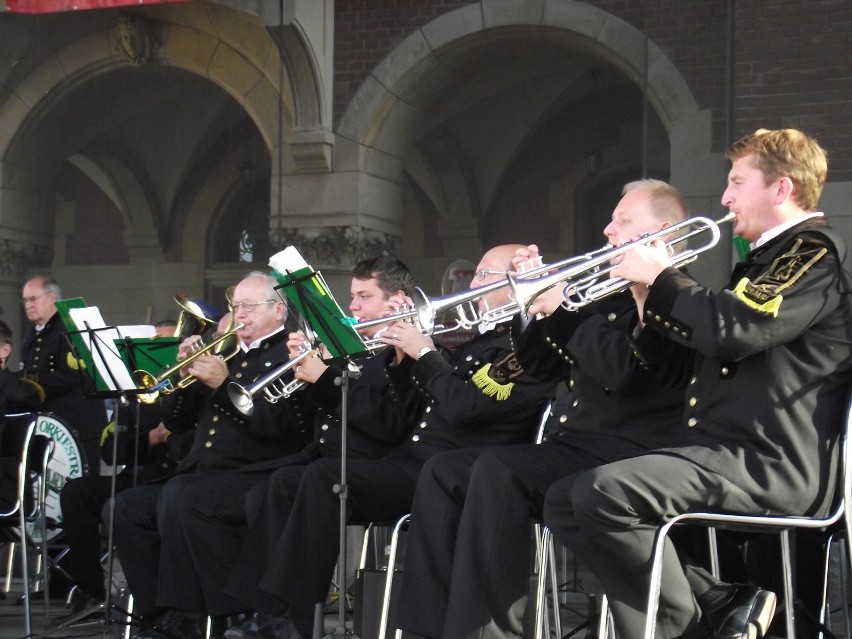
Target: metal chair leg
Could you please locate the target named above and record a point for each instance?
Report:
(383, 623)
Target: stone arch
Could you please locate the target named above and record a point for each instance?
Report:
(247, 69)
(393, 105)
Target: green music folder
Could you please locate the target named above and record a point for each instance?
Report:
(308, 293)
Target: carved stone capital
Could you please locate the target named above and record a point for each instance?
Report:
(138, 39)
(16, 258)
(335, 245)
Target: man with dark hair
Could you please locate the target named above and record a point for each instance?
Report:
(48, 361)
(765, 363)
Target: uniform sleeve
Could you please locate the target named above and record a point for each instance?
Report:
(794, 292)
(499, 387)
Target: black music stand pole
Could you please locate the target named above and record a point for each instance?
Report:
(342, 490)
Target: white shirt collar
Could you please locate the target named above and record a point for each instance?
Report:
(778, 230)
(257, 342)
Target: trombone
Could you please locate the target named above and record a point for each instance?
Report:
(196, 318)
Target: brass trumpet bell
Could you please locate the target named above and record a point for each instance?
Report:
(196, 318)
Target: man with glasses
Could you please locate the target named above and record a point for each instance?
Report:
(47, 360)
(225, 440)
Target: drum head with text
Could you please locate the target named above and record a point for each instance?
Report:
(67, 462)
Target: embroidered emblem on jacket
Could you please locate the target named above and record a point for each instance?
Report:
(495, 380)
(765, 294)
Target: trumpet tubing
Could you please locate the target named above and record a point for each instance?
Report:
(270, 385)
(583, 284)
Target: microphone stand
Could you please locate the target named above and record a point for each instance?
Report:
(342, 491)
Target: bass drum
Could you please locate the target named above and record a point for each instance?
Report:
(68, 462)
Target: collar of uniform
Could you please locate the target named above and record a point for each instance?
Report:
(256, 343)
(49, 322)
(778, 230)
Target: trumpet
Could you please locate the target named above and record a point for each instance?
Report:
(270, 385)
(463, 303)
(580, 274)
(583, 283)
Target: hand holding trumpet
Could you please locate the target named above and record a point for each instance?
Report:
(310, 369)
(407, 339)
(529, 258)
(643, 262)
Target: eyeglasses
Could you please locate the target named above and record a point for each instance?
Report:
(33, 298)
(482, 273)
(248, 307)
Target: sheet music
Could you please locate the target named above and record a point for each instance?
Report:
(101, 343)
(288, 261)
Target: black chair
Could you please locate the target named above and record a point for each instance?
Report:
(28, 454)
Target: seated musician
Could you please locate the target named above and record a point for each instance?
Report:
(468, 553)
(225, 440)
(16, 395)
(47, 360)
(767, 363)
(146, 451)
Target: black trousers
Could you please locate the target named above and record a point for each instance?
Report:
(468, 558)
(82, 501)
(202, 527)
(268, 506)
(609, 516)
(301, 565)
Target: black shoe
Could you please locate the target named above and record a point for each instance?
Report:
(84, 609)
(264, 627)
(744, 614)
(173, 624)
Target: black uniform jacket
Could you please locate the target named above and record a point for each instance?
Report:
(766, 364)
(614, 407)
(225, 439)
(48, 361)
(479, 395)
(381, 412)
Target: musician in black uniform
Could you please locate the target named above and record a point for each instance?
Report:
(47, 360)
(16, 395)
(381, 414)
(467, 562)
(766, 367)
(225, 439)
(479, 396)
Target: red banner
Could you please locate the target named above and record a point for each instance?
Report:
(52, 6)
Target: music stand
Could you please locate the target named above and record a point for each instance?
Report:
(108, 355)
(309, 294)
